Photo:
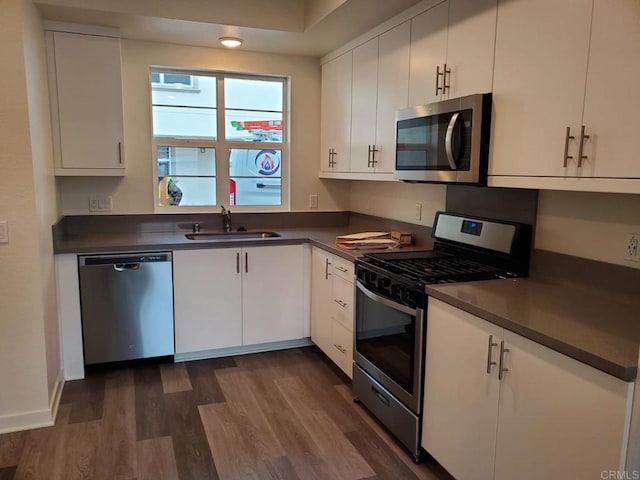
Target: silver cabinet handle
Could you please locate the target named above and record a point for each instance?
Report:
(583, 137)
(246, 262)
(567, 138)
(120, 153)
(369, 156)
(326, 268)
(340, 302)
(238, 262)
(371, 162)
(489, 353)
(438, 74)
(340, 348)
(501, 369)
(342, 269)
(448, 140)
(445, 85)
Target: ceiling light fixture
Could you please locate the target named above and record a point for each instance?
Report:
(231, 42)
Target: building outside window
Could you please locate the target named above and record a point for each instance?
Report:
(219, 139)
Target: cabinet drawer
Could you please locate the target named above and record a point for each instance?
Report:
(343, 268)
(342, 347)
(342, 304)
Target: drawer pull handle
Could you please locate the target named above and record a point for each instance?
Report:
(340, 302)
(380, 396)
(326, 268)
(340, 348)
(342, 269)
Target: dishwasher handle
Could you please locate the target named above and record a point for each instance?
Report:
(122, 262)
(123, 267)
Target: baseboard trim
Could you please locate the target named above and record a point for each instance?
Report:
(36, 418)
(242, 350)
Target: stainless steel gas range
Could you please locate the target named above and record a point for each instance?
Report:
(391, 315)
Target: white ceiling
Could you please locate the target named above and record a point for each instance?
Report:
(297, 27)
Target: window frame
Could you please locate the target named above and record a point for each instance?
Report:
(223, 146)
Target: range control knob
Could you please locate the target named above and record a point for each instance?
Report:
(398, 292)
(371, 278)
(383, 283)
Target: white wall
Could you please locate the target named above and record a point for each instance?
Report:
(44, 180)
(27, 309)
(135, 192)
(583, 224)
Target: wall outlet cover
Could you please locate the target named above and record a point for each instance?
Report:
(632, 247)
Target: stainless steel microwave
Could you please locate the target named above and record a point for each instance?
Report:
(444, 142)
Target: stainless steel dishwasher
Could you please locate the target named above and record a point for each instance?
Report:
(127, 306)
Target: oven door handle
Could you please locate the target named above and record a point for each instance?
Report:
(387, 302)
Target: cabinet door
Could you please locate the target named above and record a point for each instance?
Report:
(470, 46)
(321, 307)
(558, 418)
(538, 87)
(207, 299)
(364, 103)
(393, 84)
(335, 120)
(612, 98)
(428, 50)
(460, 397)
(89, 95)
(274, 291)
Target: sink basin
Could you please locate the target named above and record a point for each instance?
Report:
(231, 235)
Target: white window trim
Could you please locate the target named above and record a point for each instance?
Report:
(223, 147)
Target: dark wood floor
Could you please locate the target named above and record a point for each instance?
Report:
(285, 415)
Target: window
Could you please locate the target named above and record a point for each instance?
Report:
(220, 144)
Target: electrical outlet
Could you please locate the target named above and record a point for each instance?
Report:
(418, 212)
(632, 247)
(100, 203)
(313, 201)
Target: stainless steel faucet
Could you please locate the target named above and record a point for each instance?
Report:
(226, 219)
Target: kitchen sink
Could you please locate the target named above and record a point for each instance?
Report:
(231, 235)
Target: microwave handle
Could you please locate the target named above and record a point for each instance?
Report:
(448, 141)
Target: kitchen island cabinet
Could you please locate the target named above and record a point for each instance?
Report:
(563, 100)
(489, 392)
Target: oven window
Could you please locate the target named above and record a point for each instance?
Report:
(386, 338)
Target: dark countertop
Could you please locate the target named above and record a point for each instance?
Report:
(596, 327)
(584, 309)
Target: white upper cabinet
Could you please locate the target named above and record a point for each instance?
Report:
(86, 99)
(364, 98)
(565, 92)
(452, 47)
(428, 54)
(393, 85)
(335, 117)
(612, 98)
(380, 88)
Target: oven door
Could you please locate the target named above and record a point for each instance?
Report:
(389, 345)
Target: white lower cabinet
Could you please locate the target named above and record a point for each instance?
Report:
(332, 297)
(549, 416)
(230, 297)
